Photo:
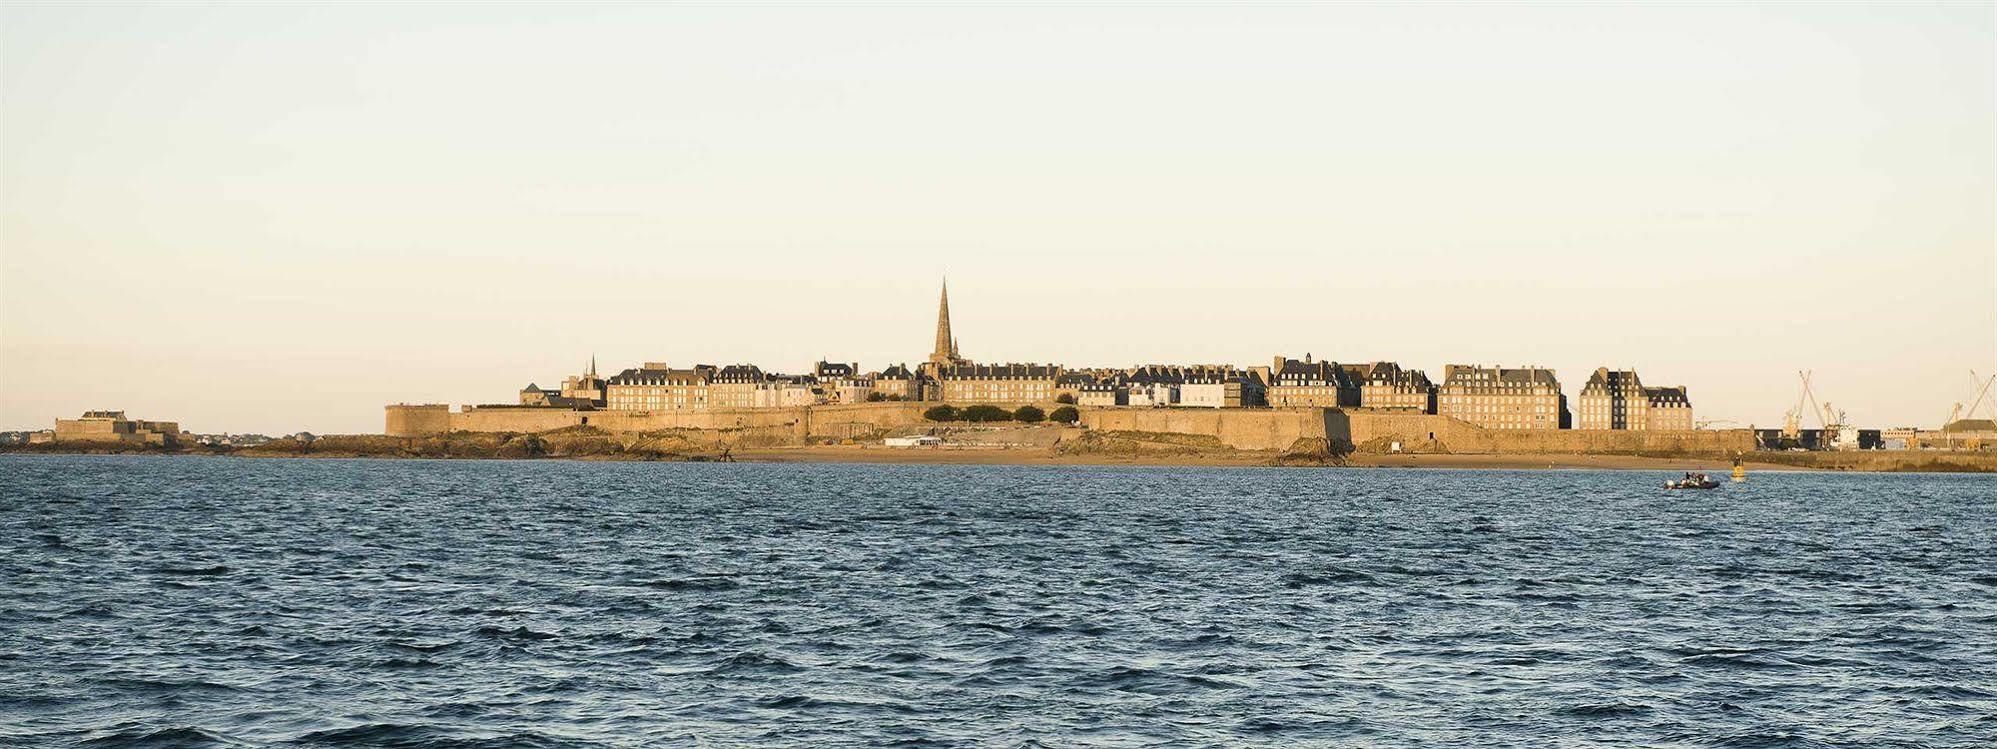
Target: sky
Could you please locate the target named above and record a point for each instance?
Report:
(272, 219)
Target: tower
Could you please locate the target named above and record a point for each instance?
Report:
(946, 343)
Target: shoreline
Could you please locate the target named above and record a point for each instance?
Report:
(880, 455)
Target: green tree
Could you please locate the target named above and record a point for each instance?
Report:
(1066, 415)
(876, 397)
(1029, 415)
(982, 412)
(941, 413)
(1068, 398)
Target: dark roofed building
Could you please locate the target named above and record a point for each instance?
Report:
(998, 384)
(1613, 399)
(1502, 398)
(1389, 387)
(1311, 384)
(657, 387)
(1669, 409)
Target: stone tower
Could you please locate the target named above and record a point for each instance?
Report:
(946, 344)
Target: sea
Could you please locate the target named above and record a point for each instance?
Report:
(215, 602)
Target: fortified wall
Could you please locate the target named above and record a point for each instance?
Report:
(1239, 428)
(1368, 431)
(779, 424)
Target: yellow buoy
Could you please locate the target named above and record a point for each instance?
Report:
(1740, 471)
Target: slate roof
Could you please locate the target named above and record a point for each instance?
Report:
(1000, 372)
(637, 376)
(1316, 373)
(741, 373)
(1388, 373)
(1472, 377)
(1612, 381)
(1671, 396)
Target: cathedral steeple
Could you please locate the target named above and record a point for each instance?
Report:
(946, 344)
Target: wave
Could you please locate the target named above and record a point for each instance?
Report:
(162, 738)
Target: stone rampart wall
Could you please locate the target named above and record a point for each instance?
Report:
(1241, 429)
(792, 424)
(1278, 428)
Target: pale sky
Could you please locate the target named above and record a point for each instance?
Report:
(274, 219)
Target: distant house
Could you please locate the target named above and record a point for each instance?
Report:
(1388, 387)
(898, 382)
(1612, 399)
(659, 387)
(1669, 409)
(1103, 394)
(1071, 384)
(739, 386)
(1502, 398)
(1311, 384)
(842, 382)
(583, 392)
(998, 384)
(1618, 400)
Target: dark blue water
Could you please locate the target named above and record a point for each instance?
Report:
(192, 602)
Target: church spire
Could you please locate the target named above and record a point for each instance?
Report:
(946, 344)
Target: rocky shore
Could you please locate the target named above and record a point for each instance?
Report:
(1071, 447)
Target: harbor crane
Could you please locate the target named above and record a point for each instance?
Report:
(1792, 421)
(1979, 396)
(1830, 421)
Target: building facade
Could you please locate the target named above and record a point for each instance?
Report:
(1311, 384)
(998, 384)
(1668, 409)
(1618, 399)
(1502, 398)
(899, 383)
(738, 386)
(1103, 394)
(112, 426)
(1612, 399)
(584, 391)
(1389, 387)
(658, 387)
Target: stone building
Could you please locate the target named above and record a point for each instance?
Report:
(738, 386)
(842, 382)
(899, 383)
(1501, 398)
(1311, 384)
(785, 391)
(583, 391)
(1238, 390)
(1618, 399)
(1389, 387)
(112, 426)
(1151, 393)
(1612, 399)
(658, 387)
(1669, 409)
(1068, 387)
(997, 384)
(1103, 393)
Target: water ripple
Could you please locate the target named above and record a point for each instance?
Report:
(177, 602)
